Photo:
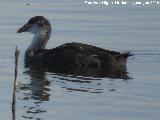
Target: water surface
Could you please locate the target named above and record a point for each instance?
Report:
(43, 95)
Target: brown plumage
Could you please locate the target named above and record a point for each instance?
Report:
(69, 54)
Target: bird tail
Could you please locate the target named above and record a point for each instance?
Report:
(126, 54)
(122, 58)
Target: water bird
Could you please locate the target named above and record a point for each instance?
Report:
(69, 54)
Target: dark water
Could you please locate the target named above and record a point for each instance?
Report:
(43, 95)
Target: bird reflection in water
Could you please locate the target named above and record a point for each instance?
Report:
(38, 93)
(109, 72)
(71, 79)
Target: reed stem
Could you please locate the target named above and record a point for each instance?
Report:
(15, 82)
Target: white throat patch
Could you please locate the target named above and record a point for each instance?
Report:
(38, 37)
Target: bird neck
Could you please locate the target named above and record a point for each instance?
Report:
(39, 42)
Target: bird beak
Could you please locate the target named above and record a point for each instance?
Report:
(24, 28)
